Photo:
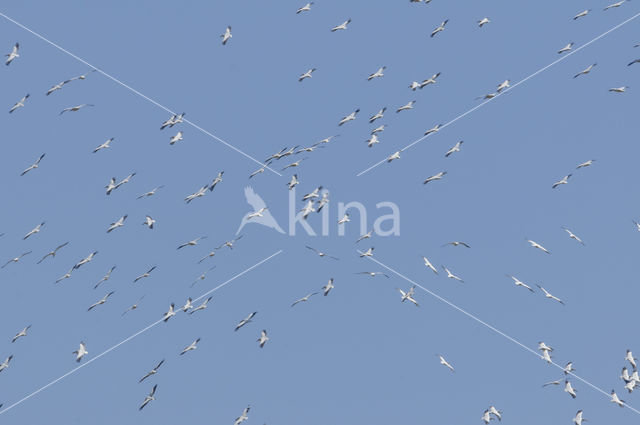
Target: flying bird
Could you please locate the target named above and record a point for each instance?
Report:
(433, 130)
(149, 398)
(152, 371)
(258, 204)
(105, 277)
(34, 231)
(566, 48)
(16, 259)
(74, 108)
(564, 180)
(483, 21)
(518, 282)
(328, 287)
(569, 389)
(615, 399)
(105, 145)
(455, 148)
(306, 74)
(145, 274)
(537, 245)
(634, 61)
(199, 194)
(149, 222)
(215, 181)
(263, 338)
(201, 306)
(585, 71)
(618, 4)
(379, 73)
(439, 28)
(581, 14)
(226, 36)
(619, 89)
(5, 364)
(547, 294)
(578, 419)
(585, 164)
(408, 295)
(305, 8)
(406, 107)
(374, 274)
(365, 236)
(342, 26)
(245, 321)
(191, 346)
(367, 253)
(33, 166)
(445, 363)
(451, 275)
(13, 54)
(303, 299)
(629, 357)
(320, 253)
(169, 314)
(193, 242)
(81, 352)
(438, 176)
(174, 139)
(20, 334)
(457, 243)
(230, 243)
(428, 264)
(378, 115)
(573, 236)
(430, 80)
(393, 156)
(101, 301)
(242, 417)
(116, 224)
(19, 104)
(66, 276)
(350, 117)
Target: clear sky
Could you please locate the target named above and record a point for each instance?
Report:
(359, 355)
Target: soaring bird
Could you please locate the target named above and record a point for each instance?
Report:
(350, 117)
(187, 305)
(378, 115)
(483, 21)
(75, 108)
(258, 204)
(581, 14)
(496, 412)
(367, 253)
(566, 48)
(342, 26)
(306, 74)
(19, 104)
(328, 287)
(193, 242)
(320, 253)
(16, 259)
(105, 145)
(101, 301)
(201, 306)
(578, 419)
(457, 243)
(618, 4)
(518, 282)
(229, 244)
(145, 274)
(199, 194)
(439, 28)
(305, 8)
(365, 236)
(67, 275)
(568, 368)
(433, 130)
(215, 181)
(149, 398)
(619, 89)
(379, 73)
(152, 371)
(116, 224)
(455, 148)
(615, 399)
(451, 275)
(5, 364)
(169, 314)
(174, 139)
(585, 71)
(585, 164)
(13, 54)
(81, 352)
(33, 166)
(393, 156)
(573, 236)
(133, 307)
(303, 299)
(105, 277)
(564, 180)
(20, 334)
(226, 36)
(428, 264)
(445, 363)
(344, 219)
(246, 320)
(503, 85)
(430, 80)
(374, 274)
(634, 61)
(263, 338)
(629, 357)
(569, 389)
(437, 176)
(191, 346)
(408, 295)
(537, 245)
(34, 231)
(242, 417)
(547, 294)
(149, 222)
(406, 107)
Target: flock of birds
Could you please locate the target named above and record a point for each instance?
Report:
(314, 202)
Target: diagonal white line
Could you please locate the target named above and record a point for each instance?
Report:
(499, 332)
(124, 341)
(508, 89)
(131, 89)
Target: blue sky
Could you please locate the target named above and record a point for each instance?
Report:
(358, 355)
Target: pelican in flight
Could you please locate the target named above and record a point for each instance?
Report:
(378, 115)
(263, 338)
(439, 28)
(13, 54)
(246, 320)
(169, 314)
(226, 36)
(615, 399)
(573, 236)
(629, 357)
(619, 89)
(365, 236)
(408, 295)
(242, 417)
(428, 264)
(34, 231)
(566, 48)
(367, 253)
(395, 155)
(306, 74)
(105, 145)
(149, 222)
(582, 14)
(320, 253)
(585, 71)
(174, 139)
(483, 21)
(378, 129)
(433, 130)
(455, 148)
(350, 117)
(342, 26)
(175, 119)
(20, 334)
(16, 259)
(451, 275)
(133, 307)
(193, 242)
(634, 61)
(201, 306)
(152, 371)
(305, 8)
(618, 4)
(457, 243)
(203, 275)
(19, 104)
(145, 274)
(101, 301)
(86, 260)
(569, 389)
(116, 224)
(149, 398)
(215, 181)
(191, 346)
(518, 282)
(547, 294)
(430, 80)
(328, 287)
(537, 245)
(33, 166)
(303, 299)
(67, 275)
(438, 176)
(585, 164)
(230, 243)
(564, 180)
(446, 363)
(293, 182)
(406, 107)
(578, 419)
(75, 108)
(374, 274)
(568, 368)
(105, 277)
(5, 364)
(199, 194)
(379, 73)
(81, 352)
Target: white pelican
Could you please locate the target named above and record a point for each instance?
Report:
(546, 356)
(201, 306)
(566, 48)
(118, 223)
(395, 155)
(406, 107)
(578, 419)
(581, 14)
(81, 352)
(564, 180)
(86, 260)
(314, 194)
(446, 363)
(193, 242)
(569, 389)
(5, 363)
(105, 145)
(572, 236)
(259, 213)
(148, 221)
(133, 307)
(377, 74)
(169, 314)
(305, 8)
(191, 346)
(328, 287)
(20, 334)
(242, 417)
(365, 236)
(495, 412)
(408, 295)
(149, 398)
(585, 71)
(428, 264)
(585, 164)
(367, 253)
(378, 129)
(374, 274)
(615, 399)
(558, 382)
(629, 357)
(105, 277)
(52, 253)
(619, 89)
(342, 26)
(307, 209)
(378, 115)
(518, 282)
(13, 54)
(202, 276)
(229, 244)
(306, 74)
(178, 137)
(438, 176)
(430, 80)
(618, 4)
(634, 61)
(145, 274)
(215, 181)
(486, 417)
(457, 243)
(263, 338)
(16, 259)
(568, 368)
(483, 21)
(433, 130)
(101, 301)
(19, 104)
(549, 295)
(320, 253)
(75, 108)
(33, 166)
(323, 201)
(451, 275)
(199, 194)
(66, 276)
(439, 28)
(350, 117)
(152, 371)
(537, 245)
(293, 164)
(344, 219)
(503, 85)
(455, 148)
(226, 36)
(34, 231)
(258, 171)
(245, 320)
